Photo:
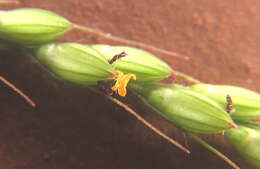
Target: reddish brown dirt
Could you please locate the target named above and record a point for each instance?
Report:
(73, 128)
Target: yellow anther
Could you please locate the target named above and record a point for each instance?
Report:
(121, 82)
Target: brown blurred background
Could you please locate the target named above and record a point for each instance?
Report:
(73, 128)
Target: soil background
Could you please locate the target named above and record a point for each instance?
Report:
(73, 128)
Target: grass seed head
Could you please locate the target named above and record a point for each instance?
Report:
(144, 65)
(245, 103)
(31, 26)
(243, 100)
(247, 143)
(75, 63)
(187, 109)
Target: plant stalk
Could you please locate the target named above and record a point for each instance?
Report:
(141, 119)
(138, 44)
(30, 101)
(186, 77)
(213, 150)
(128, 42)
(9, 2)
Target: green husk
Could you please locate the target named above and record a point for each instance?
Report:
(250, 124)
(247, 143)
(244, 100)
(74, 62)
(144, 65)
(31, 26)
(246, 103)
(187, 109)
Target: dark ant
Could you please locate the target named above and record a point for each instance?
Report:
(229, 106)
(116, 57)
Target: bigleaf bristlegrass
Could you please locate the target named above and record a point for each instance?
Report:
(200, 108)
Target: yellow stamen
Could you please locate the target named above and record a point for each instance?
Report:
(121, 82)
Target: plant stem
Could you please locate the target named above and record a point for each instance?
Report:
(186, 77)
(9, 2)
(128, 42)
(141, 119)
(212, 149)
(138, 44)
(17, 91)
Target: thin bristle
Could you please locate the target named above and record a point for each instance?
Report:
(9, 2)
(18, 91)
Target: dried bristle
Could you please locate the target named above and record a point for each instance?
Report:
(9, 2)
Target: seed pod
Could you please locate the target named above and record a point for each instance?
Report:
(248, 119)
(29, 26)
(187, 109)
(246, 103)
(74, 62)
(244, 100)
(144, 65)
(247, 143)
